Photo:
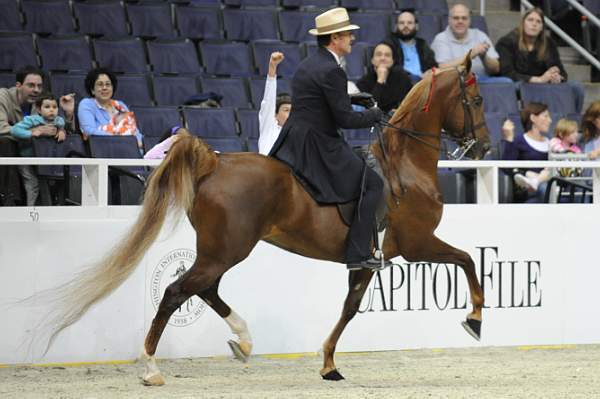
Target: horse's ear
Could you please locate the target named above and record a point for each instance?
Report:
(467, 62)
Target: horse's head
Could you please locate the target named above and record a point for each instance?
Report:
(464, 120)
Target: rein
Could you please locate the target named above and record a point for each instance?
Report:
(468, 139)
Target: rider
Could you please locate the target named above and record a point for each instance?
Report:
(312, 146)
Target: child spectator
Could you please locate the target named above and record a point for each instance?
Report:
(565, 137)
(274, 108)
(47, 106)
(166, 141)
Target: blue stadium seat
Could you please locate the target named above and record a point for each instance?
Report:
(222, 58)
(149, 142)
(65, 53)
(251, 3)
(558, 97)
(150, 19)
(206, 3)
(233, 90)
(454, 186)
(154, 121)
(499, 97)
(126, 183)
(262, 53)
(358, 134)
(226, 144)
(124, 55)
(429, 6)
(48, 16)
(173, 56)
(133, 89)
(10, 17)
(66, 178)
(174, 90)
(312, 3)
(355, 61)
(210, 122)
(494, 121)
(16, 51)
(429, 26)
(8, 79)
(252, 145)
(92, 16)
(48, 147)
(407, 4)
(250, 24)
(374, 26)
(257, 89)
(199, 22)
(310, 47)
(296, 24)
(66, 83)
(368, 5)
(248, 120)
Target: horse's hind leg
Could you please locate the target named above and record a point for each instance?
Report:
(436, 250)
(194, 281)
(242, 349)
(358, 281)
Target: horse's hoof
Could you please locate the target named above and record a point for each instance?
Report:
(333, 375)
(155, 380)
(473, 327)
(238, 353)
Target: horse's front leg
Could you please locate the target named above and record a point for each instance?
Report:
(358, 281)
(436, 250)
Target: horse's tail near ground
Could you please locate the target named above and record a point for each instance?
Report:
(170, 187)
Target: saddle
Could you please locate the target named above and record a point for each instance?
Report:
(347, 210)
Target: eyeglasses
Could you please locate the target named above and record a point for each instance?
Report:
(457, 18)
(103, 84)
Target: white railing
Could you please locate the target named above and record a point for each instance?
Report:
(94, 184)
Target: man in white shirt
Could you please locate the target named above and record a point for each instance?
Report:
(451, 45)
(274, 108)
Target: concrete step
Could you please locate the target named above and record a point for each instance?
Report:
(568, 55)
(578, 72)
(592, 93)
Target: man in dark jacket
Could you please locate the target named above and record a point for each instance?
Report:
(410, 52)
(311, 144)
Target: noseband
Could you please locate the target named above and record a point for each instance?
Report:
(464, 141)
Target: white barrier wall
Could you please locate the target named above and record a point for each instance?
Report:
(538, 265)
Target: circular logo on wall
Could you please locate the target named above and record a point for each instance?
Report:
(171, 267)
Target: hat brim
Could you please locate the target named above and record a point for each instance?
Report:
(315, 32)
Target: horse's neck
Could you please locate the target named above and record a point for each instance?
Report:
(407, 154)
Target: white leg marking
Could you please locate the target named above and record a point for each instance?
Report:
(152, 375)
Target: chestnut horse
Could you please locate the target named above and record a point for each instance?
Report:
(235, 200)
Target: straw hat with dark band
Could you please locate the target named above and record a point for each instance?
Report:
(332, 21)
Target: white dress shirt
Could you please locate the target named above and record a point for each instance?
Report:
(268, 127)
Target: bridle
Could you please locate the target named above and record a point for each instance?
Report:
(465, 141)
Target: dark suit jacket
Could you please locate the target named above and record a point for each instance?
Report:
(309, 141)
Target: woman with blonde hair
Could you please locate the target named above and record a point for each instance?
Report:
(528, 55)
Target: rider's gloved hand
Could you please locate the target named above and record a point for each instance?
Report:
(377, 113)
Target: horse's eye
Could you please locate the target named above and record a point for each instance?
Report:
(478, 100)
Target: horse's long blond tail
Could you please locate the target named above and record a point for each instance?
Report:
(171, 187)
